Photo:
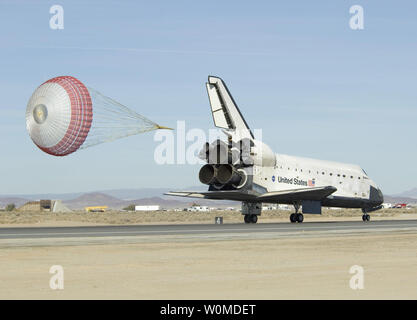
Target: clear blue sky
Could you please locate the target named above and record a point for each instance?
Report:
(316, 87)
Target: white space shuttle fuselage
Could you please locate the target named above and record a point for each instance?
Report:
(291, 172)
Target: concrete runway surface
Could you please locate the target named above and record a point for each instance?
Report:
(206, 229)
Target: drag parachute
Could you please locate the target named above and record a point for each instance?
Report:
(63, 116)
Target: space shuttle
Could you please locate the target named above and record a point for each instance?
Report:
(241, 168)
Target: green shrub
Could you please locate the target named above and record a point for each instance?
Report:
(10, 207)
(130, 207)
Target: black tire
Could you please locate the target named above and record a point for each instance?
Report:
(368, 217)
(364, 218)
(300, 218)
(254, 218)
(246, 218)
(293, 218)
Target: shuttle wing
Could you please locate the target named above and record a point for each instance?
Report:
(224, 109)
(216, 195)
(189, 194)
(315, 194)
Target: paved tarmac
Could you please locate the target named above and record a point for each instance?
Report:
(204, 229)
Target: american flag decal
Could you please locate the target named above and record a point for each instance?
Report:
(311, 183)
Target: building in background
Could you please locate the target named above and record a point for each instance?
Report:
(285, 207)
(269, 206)
(147, 208)
(198, 209)
(44, 206)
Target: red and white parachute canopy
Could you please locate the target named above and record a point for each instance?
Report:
(63, 115)
(59, 115)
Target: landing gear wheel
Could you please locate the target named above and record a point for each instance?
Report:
(366, 217)
(251, 218)
(296, 217)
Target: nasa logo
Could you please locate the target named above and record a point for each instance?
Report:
(273, 178)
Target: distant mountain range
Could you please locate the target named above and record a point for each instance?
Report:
(408, 194)
(124, 194)
(4, 201)
(396, 199)
(120, 198)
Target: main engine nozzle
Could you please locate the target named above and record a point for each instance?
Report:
(228, 174)
(207, 174)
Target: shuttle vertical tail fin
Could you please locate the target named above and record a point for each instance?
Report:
(226, 113)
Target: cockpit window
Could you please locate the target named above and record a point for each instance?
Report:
(364, 171)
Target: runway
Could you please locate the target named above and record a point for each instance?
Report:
(205, 229)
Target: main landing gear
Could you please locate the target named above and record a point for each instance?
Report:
(296, 217)
(251, 211)
(251, 218)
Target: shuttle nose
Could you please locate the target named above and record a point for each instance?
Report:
(376, 196)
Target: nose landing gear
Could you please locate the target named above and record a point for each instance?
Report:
(366, 217)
